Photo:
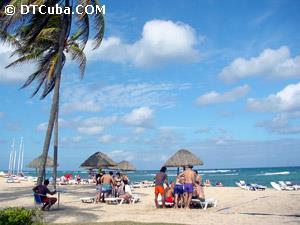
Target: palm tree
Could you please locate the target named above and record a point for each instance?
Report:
(46, 40)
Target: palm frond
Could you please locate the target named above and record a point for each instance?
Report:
(99, 25)
(78, 56)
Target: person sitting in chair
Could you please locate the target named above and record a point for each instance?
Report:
(43, 190)
(127, 196)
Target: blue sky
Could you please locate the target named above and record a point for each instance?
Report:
(221, 78)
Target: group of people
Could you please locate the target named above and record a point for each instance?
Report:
(187, 186)
(108, 184)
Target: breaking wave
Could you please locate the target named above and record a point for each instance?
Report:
(275, 173)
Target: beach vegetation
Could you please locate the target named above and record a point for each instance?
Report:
(21, 216)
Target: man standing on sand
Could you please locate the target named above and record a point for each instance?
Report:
(160, 178)
(188, 187)
(107, 183)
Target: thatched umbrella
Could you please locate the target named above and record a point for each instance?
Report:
(125, 166)
(98, 160)
(37, 163)
(183, 158)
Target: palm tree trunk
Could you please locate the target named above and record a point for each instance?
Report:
(55, 100)
(53, 113)
(55, 146)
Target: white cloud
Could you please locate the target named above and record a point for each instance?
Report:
(139, 130)
(161, 42)
(141, 117)
(1, 115)
(76, 138)
(214, 97)
(286, 100)
(13, 74)
(273, 63)
(106, 138)
(280, 125)
(119, 95)
(120, 155)
(90, 130)
(88, 126)
(286, 103)
(83, 106)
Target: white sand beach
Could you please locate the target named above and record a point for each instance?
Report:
(235, 206)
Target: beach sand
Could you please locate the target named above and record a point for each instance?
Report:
(235, 206)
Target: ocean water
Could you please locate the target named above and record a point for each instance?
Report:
(228, 177)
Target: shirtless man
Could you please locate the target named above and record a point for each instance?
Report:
(188, 186)
(107, 183)
(160, 178)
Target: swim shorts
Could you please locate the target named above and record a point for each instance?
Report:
(169, 199)
(106, 188)
(188, 188)
(159, 190)
(178, 189)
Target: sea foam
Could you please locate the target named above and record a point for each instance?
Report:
(275, 173)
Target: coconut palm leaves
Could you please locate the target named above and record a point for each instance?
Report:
(35, 38)
(46, 39)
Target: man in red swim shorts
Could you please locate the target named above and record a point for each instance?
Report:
(160, 178)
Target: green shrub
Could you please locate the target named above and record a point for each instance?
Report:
(20, 216)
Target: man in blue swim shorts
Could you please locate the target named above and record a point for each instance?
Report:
(188, 186)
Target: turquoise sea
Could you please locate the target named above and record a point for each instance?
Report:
(228, 177)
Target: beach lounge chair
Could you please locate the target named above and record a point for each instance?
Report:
(242, 184)
(276, 186)
(285, 187)
(87, 200)
(138, 185)
(295, 186)
(135, 198)
(114, 200)
(12, 180)
(259, 187)
(206, 203)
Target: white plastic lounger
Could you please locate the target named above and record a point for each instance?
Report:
(276, 186)
(87, 200)
(9, 180)
(207, 202)
(285, 187)
(295, 186)
(242, 184)
(135, 198)
(114, 201)
(259, 187)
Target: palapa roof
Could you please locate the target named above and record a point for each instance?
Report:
(98, 160)
(183, 158)
(126, 166)
(36, 163)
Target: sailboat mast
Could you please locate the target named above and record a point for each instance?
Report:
(22, 158)
(19, 156)
(14, 157)
(10, 162)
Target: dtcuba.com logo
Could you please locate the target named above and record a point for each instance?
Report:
(57, 9)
